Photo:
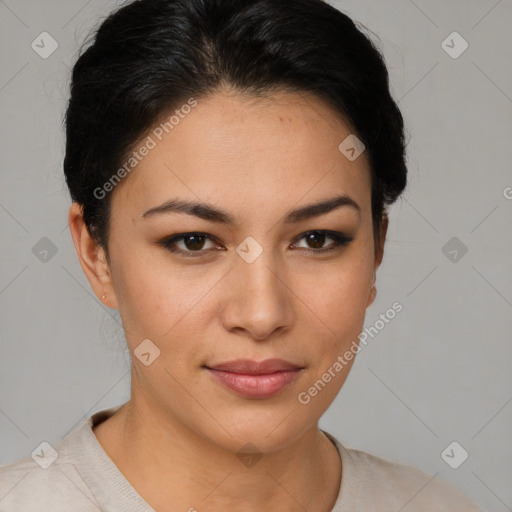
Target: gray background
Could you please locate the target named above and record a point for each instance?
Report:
(439, 372)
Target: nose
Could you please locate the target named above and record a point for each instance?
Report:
(256, 298)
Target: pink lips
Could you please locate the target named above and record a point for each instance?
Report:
(253, 379)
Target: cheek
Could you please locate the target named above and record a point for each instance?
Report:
(336, 299)
(160, 302)
(338, 294)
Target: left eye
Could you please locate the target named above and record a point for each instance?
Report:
(318, 238)
(194, 242)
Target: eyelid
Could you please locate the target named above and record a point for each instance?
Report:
(168, 242)
(340, 240)
(327, 232)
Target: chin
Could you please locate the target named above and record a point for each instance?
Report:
(269, 432)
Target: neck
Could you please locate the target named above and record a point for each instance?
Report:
(168, 463)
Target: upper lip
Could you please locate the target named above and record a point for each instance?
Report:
(249, 367)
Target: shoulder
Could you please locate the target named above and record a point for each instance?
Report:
(25, 486)
(372, 483)
(406, 487)
(70, 477)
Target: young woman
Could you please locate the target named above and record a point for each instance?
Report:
(230, 164)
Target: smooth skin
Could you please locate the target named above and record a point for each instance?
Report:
(177, 439)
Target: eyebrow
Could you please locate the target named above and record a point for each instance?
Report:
(211, 213)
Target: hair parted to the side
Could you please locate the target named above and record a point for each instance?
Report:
(150, 56)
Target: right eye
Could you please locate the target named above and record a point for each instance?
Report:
(193, 242)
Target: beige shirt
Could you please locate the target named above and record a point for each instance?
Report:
(83, 478)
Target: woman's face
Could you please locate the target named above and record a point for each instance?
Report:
(257, 288)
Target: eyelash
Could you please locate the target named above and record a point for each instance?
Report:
(340, 240)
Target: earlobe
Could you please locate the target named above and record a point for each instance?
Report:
(91, 257)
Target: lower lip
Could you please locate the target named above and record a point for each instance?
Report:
(256, 386)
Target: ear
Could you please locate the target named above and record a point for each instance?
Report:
(379, 254)
(379, 249)
(92, 257)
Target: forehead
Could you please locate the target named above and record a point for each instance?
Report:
(257, 152)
